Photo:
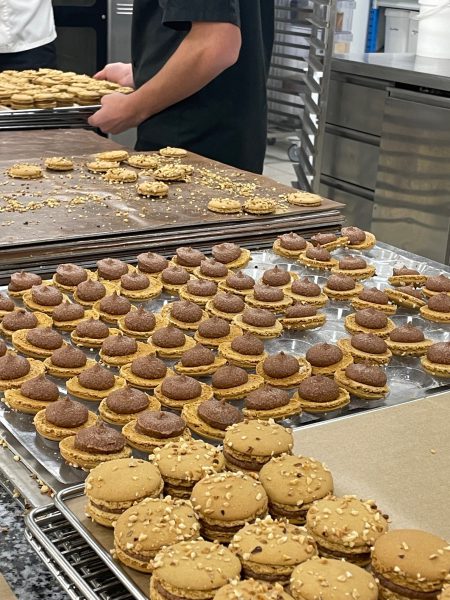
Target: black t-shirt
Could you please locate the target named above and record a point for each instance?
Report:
(227, 119)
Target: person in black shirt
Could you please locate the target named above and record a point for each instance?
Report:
(200, 71)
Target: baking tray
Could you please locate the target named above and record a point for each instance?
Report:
(71, 503)
(405, 377)
(45, 118)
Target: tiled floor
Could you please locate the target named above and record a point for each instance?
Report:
(277, 164)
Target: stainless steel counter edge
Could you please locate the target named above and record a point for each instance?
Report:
(401, 68)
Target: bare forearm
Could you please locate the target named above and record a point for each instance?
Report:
(194, 64)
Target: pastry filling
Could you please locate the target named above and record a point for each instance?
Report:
(243, 464)
(165, 594)
(406, 592)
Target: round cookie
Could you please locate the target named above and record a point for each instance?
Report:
(63, 418)
(260, 206)
(270, 549)
(252, 589)
(227, 206)
(330, 579)
(345, 527)
(211, 418)
(32, 396)
(366, 347)
(231, 383)
(194, 569)
(437, 359)
(153, 429)
(365, 381)
(269, 402)
(153, 189)
(358, 239)
(302, 198)
(410, 563)
(320, 394)
(24, 171)
(145, 528)
(283, 370)
(251, 444)
(114, 486)
(293, 483)
(58, 163)
(218, 501)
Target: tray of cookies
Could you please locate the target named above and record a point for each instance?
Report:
(106, 362)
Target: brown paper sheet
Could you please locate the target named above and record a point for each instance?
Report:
(5, 590)
(397, 456)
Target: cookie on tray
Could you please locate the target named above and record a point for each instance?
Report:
(69, 275)
(125, 405)
(302, 198)
(199, 291)
(143, 161)
(215, 331)
(20, 319)
(94, 383)
(138, 286)
(369, 320)
(112, 269)
(306, 291)
(260, 206)
(177, 390)
(174, 278)
(437, 308)
(231, 255)
(38, 342)
(321, 394)
(119, 349)
(268, 297)
(113, 155)
(406, 296)
(341, 288)
(245, 350)
(329, 517)
(63, 418)
(184, 314)
(145, 372)
(226, 206)
(32, 396)
(225, 305)
(153, 429)
(199, 361)
(44, 298)
(87, 293)
(67, 362)
(112, 307)
(259, 321)
(289, 245)
(153, 189)
(405, 276)
(268, 402)
(317, 258)
(151, 263)
(58, 163)
(210, 418)
(92, 446)
(293, 484)
(249, 589)
(299, 317)
(172, 152)
(140, 323)
(115, 486)
(325, 358)
(436, 285)
(365, 381)
(372, 297)
(16, 369)
(24, 171)
(7, 305)
(437, 359)
(408, 340)
(283, 370)
(358, 239)
(232, 383)
(90, 333)
(170, 342)
(366, 347)
(152, 524)
(221, 521)
(21, 282)
(212, 270)
(238, 283)
(355, 267)
(68, 315)
(329, 241)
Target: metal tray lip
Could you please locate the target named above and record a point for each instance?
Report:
(50, 550)
(60, 503)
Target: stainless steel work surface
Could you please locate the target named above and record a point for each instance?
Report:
(404, 68)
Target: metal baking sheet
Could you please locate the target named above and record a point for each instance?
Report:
(71, 503)
(406, 379)
(37, 118)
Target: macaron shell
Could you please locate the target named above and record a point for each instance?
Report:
(188, 460)
(123, 480)
(252, 589)
(411, 558)
(295, 480)
(258, 438)
(196, 566)
(330, 579)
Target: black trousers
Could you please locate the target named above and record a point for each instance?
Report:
(42, 57)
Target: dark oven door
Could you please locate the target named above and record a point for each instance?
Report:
(82, 41)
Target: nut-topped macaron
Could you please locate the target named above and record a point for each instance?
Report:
(358, 239)
(330, 579)
(290, 245)
(306, 291)
(33, 395)
(154, 428)
(410, 563)
(177, 390)
(211, 418)
(215, 331)
(259, 321)
(369, 320)
(171, 342)
(372, 297)
(143, 529)
(145, 372)
(320, 393)
(218, 501)
(365, 381)
(437, 308)
(194, 569)
(231, 383)
(94, 383)
(185, 462)
(300, 316)
(245, 350)
(325, 358)
(283, 370)
(231, 255)
(115, 486)
(63, 418)
(293, 483)
(366, 347)
(437, 359)
(252, 443)
(252, 589)
(408, 340)
(354, 266)
(341, 287)
(93, 445)
(199, 361)
(270, 549)
(269, 402)
(345, 527)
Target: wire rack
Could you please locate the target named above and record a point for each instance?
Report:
(78, 569)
